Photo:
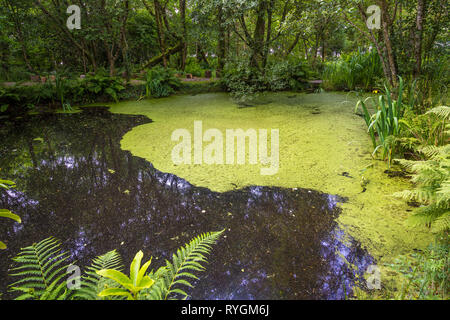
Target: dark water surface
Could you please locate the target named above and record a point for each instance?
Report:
(75, 183)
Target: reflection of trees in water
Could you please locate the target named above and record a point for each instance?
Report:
(78, 185)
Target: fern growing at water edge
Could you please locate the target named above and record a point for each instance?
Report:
(432, 180)
(42, 267)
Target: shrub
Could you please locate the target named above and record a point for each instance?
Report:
(161, 82)
(98, 85)
(243, 82)
(432, 180)
(194, 68)
(385, 124)
(356, 70)
(288, 75)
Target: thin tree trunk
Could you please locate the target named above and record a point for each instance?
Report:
(184, 34)
(386, 24)
(418, 37)
(221, 43)
(159, 27)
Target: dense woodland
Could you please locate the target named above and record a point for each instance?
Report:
(136, 49)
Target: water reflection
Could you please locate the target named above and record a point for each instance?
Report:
(76, 184)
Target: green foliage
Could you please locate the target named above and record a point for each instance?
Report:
(432, 86)
(161, 82)
(132, 285)
(245, 82)
(288, 75)
(384, 125)
(173, 276)
(422, 130)
(242, 81)
(426, 274)
(421, 275)
(432, 180)
(42, 270)
(4, 213)
(98, 85)
(92, 283)
(194, 68)
(7, 98)
(353, 71)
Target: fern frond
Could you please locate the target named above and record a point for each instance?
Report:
(188, 259)
(92, 283)
(42, 267)
(442, 223)
(442, 112)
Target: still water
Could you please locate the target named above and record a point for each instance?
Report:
(76, 184)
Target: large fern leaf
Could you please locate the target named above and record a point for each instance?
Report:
(171, 279)
(443, 112)
(42, 267)
(92, 283)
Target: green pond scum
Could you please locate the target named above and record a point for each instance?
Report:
(323, 145)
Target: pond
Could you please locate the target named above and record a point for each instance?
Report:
(75, 183)
(102, 178)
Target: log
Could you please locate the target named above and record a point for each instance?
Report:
(155, 60)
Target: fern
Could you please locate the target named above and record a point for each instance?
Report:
(92, 283)
(170, 279)
(432, 180)
(42, 268)
(442, 112)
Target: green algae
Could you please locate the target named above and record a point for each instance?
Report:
(323, 146)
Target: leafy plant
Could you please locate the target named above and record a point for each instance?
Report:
(173, 276)
(358, 69)
(61, 87)
(4, 213)
(421, 275)
(102, 85)
(161, 82)
(42, 270)
(384, 125)
(193, 67)
(288, 75)
(132, 285)
(7, 98)
(92, 282)
(422, 130)
(426, 274)
(243, 82)
(432, 180)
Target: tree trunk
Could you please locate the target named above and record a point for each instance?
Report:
(158, 59)
(258, 36)
(159, 27)
(221, 43)
(386, 24)
(184, 35)
(418, 37)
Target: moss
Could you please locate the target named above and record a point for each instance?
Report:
(323, 146)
